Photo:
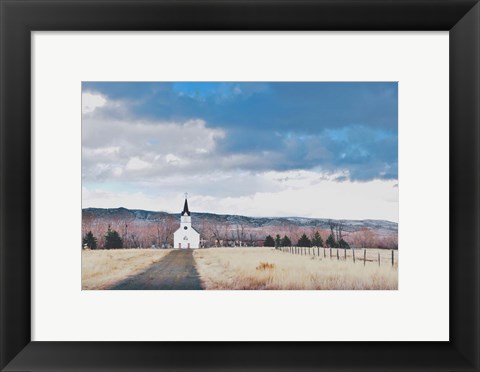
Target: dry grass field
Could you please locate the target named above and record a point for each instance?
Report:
(266, 268)
(252, 268)
(103, 268)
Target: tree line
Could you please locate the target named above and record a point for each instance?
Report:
(112, 240)
(123, 233)
(333, 241)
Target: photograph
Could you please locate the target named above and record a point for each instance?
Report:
(239, 185)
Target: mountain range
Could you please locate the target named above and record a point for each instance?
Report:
(137, 215)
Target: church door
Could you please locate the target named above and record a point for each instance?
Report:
(179, 245)
(188, 246)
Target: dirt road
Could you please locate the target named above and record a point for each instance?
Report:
(174, 271)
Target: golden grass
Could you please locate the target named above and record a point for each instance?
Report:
(103, 268)
(266, 268)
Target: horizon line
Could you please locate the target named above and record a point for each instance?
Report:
(240, 215)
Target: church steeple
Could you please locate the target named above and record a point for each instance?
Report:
(186, 236)
(185, 207)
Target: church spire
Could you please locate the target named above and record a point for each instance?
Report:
(185, 207)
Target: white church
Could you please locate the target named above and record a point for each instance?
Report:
(186, 236)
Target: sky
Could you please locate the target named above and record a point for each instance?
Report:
(307, 149)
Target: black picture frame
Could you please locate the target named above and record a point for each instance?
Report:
(18, 18)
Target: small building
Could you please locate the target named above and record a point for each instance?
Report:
(186, 237)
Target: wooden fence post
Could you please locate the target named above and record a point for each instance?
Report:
(330, 252)
(345, 253)
(378, 258)
(393, 258)
(353, 253)
(338, 257)
(364, 256)
(324, 253)
(318, 251)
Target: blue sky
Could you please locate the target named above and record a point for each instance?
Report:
(259, 138)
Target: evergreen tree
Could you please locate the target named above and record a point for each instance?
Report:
(343, 244)
(269, 242)
(331, 241)
(304, 241)
(89, 241)
(113, 240)
(317, 240)
(278, 241)
(286, 242)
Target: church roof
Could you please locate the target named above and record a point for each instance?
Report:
(185, 209)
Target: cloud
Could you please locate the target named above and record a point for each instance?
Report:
(329, 126)
(239, 145)
(136, 163)
(147, 148)
(304, 194)
(90, 101)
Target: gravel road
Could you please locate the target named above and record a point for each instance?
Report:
(175, 271)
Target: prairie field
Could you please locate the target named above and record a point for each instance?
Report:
(267, 268)
(255, 268)
(103, 268)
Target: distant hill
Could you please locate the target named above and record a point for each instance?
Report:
(138, 216)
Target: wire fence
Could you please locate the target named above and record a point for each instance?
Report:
(356, 255)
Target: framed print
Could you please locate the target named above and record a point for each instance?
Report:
(208, 185)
